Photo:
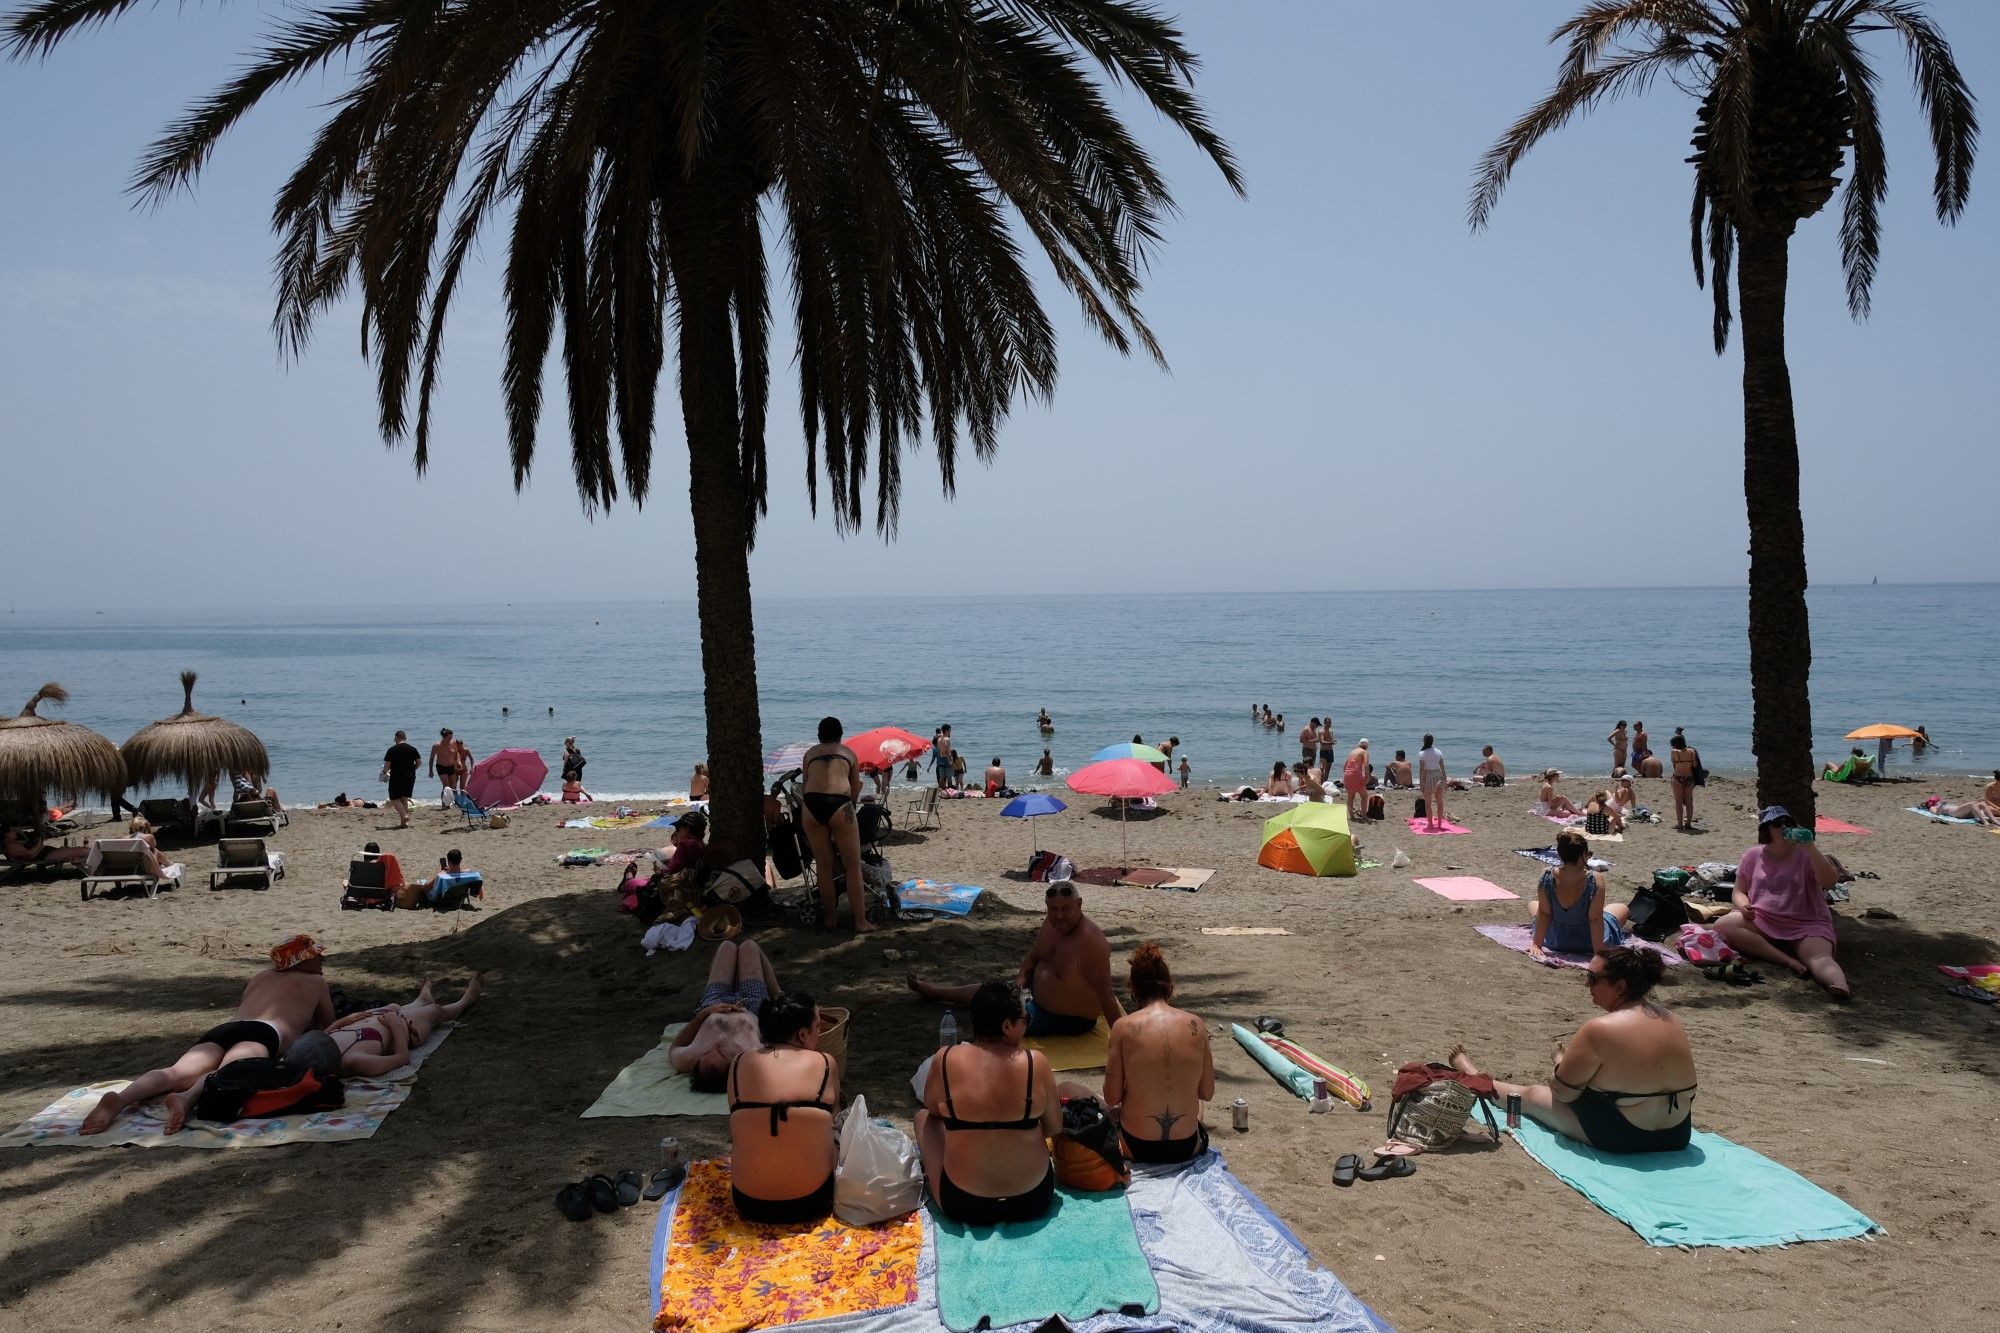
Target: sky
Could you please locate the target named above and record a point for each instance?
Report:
(1361, 393)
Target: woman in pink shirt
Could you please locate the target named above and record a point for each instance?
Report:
(1781, 913)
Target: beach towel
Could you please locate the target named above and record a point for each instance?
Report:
(1422, 828)
(1466, 888)
(1937, 818)
(583, 856)
(650, 1085)
(1086, 1050)
(1078, 1259)
(922, 899)
(369, 1102)
(1138, 877)
(1824, 824)
(720, 1274)
(1244, 930)
(1560, 821)
(1548, 857)
(1187, 879)
(1712, 1192)
(1515, 936)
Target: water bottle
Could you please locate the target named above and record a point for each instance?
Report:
(948, 1030)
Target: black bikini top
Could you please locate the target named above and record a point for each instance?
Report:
(950, 1118)
(782, 1110)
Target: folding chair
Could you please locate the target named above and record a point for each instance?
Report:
(923, 812)
(245, 863)
(367, 885)
(474, 816)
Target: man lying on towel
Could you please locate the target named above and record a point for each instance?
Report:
(277, 1006)
(1159, 1070)
(1067, 974)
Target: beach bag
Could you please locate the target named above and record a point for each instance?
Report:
(1087, 1152)
(1703, 947)
(1423, 809)
(1698, 776)
(1656, 914)
(732, 883)
(1597, 823)
(255, 1088)
(1376, 809)
(878, 1175)
(789, 850)
(1431, 1103)
(1049, 867)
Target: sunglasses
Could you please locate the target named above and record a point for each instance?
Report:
(1062, 891)
(1590, 979)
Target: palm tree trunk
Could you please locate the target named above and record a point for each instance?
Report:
(1780, 635)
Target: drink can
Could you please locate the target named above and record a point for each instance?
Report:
(670, 1154)
(1320, 1093)
(1239, 1115)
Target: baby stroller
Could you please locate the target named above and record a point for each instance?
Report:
(792, 857)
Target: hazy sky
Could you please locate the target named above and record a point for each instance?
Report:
(1361, 394)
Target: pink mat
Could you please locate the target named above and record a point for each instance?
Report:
(1421, 827)
(1466, 888)
(1517, 937)
(1822, 824)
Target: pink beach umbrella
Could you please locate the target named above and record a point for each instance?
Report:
(507, 777)
(1127, 779)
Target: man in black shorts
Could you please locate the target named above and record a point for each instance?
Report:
(276, 1008)
(399, 770)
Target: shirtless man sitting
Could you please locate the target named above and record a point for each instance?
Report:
(277, 1006)
(1491, 770)
(1159, 1071)
(1067, 973)
(724, 1026)
(1398, 772)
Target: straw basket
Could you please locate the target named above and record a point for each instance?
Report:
(833, 1035)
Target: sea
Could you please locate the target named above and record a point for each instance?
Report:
(1539, 674)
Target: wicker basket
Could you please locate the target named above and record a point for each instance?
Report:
(1432, 1117)
(833, 1035)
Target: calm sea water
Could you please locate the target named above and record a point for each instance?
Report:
(1542, 675)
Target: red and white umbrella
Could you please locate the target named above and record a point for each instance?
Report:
(885, 747)
(507, 777)
(1128, 779)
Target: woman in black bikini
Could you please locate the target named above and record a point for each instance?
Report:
(830, 788)
(982, 1171)
(1625, 1083)
(782, 1100)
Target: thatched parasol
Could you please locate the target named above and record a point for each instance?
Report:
(40, 756)
(193, 747)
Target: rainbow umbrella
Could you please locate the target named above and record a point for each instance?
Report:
(505, 778)
(1309, 839)
(786, 757)
(1126, 779)
(1129, 750)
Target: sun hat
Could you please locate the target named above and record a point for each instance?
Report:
(298, 949)
(1771, 814)
(720, 922)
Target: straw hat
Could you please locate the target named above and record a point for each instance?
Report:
(720, 922)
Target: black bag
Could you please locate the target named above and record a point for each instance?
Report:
(789, 851)
(1423, 809)
(1698, 776)
(1656, 914)
(874, 819)
(1376, 810)
(1087, 1154)
(252, 1089)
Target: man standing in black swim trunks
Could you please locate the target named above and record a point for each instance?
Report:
(277, 1006)
(399, 770)
(1067, 973)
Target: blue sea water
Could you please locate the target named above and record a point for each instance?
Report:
(1541, 675)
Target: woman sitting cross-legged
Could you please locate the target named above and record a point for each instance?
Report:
(782, 1100)
(1625, 1083)
(1571, 915)
(1781, 914)
(740, 981)
(989, 1109)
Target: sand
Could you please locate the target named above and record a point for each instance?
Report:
(444, 1220)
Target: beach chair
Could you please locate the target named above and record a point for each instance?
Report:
(118, 863)
(367, 885)
(923, 811)
(255, 814)
(474, 816)
(245, 863)
(179, 817)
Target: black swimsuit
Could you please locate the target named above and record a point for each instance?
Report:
(825, 805)
(1167, 1150)
(1606, 1128)
(780, 1212)
(983, 1210)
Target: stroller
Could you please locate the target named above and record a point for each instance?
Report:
(792, 857)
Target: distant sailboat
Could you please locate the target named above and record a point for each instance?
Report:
(1875, 581)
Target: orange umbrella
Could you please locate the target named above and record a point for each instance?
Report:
(885, 747)
(1881, 731)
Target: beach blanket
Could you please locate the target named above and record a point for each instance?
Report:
(1086, 1050)
(1222, 1261)
(583, 856)
(1937, 818)
(1466, 888)
(1712, 1192)
(1515, 936)
(922, 899)
(720, 1274)
(1080, 1258)
(1244, 930)
(650, 1085)
(369, 1102)
(1547, 856)
(1422, 828)
(1186, 879)
(1826, 824)
(622, 821)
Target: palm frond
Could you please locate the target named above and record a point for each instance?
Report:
(1947, 101)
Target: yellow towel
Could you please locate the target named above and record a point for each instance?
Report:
(1086, 1050)
(650, 1085)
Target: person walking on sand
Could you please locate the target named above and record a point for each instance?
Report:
(1617, 741)
(1431, 779)
(277, 1007)
(443, 765)
(399, 770)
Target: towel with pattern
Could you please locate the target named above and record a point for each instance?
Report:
(1516, 936)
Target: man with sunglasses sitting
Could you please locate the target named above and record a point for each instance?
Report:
(1067, 973)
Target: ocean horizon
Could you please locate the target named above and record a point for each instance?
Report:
(1541, 674)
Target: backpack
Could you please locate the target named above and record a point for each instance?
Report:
(259, 1087)
(1656, 913)
(1376, 810)
(1087, 1153)
(1423, 809)
(1431, 1103)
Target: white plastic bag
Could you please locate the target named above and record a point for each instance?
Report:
(879, 1176)
(1399, 860)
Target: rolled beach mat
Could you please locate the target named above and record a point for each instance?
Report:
(1275, 1064)
(1350, 1088)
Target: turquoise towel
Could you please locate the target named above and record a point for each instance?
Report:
(1276, 1065)
(1080, 1258)
(1713, 1192)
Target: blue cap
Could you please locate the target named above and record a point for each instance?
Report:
(1771, 814)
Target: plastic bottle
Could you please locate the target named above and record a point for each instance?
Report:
(948, 1030)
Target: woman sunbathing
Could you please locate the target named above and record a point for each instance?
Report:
(1781, 912)
(782, 1100)
(1159, 1071)
(1553, 802)
(1571, 915)
(724, 1025)
(990, 1108)
(373, 1042)
(32, 847)
(1625, 1083)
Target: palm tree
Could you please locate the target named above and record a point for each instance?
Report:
(643, 149)
(1786, 90)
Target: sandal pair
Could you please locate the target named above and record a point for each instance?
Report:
(1349, 1169)
(599, 1194)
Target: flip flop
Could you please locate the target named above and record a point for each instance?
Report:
(1388, 1168)
(573, 1201)
(627, 1187)
(664, 1182)
(602, 1193)
(1973, 993)
(1274, 1026)
(1344, 1170)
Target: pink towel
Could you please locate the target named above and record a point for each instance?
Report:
(1823, 824)
(1466, 888)
(1422, 828)
(1516, 937)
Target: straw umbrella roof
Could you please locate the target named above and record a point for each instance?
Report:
(44, 755)
(193, 747)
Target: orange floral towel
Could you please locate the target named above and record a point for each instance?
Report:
(725, 1275)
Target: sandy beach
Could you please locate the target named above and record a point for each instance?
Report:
(444, 1219)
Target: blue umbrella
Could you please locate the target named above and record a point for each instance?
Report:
(1029, 806)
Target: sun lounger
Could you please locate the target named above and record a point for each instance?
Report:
(178, 817)
(245, 863)
(256, 815)
(118, 863)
